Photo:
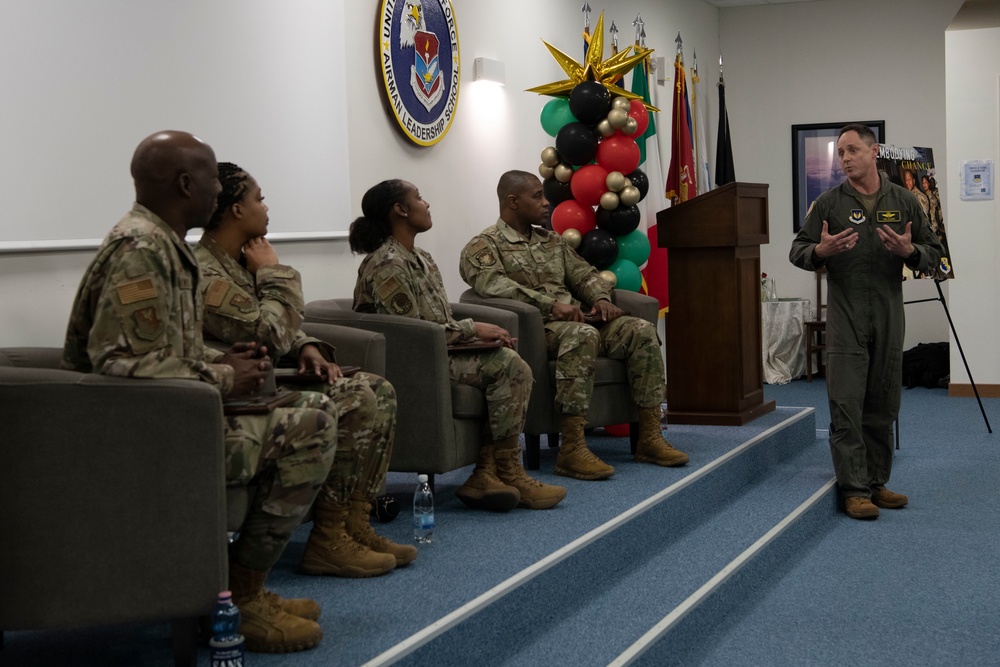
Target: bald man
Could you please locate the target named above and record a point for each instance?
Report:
(517, 258)
(137, 314)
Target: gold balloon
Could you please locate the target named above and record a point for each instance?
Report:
(621, 103)
(618, 118)
(631, 125)
(545, 171)
(609, 277)
(572, 237)
(550, 156)
(604, 127)
(615, 181)
(563, 172)
(630, 196)
(609, 201)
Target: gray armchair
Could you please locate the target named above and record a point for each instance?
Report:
(612, 403)
(440, 424)
(112, 499)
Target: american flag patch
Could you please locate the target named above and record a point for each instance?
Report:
(137, 290)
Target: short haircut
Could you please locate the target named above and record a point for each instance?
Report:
(863, 131)
(514, 181)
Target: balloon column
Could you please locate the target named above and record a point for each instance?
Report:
(591, 175)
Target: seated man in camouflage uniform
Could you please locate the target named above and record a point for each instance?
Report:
(397, 278)
(249, 295)
(517, 259)
(137, 314)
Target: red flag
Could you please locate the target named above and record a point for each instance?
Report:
(681, 174)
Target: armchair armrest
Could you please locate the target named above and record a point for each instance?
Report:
(482, 313)
(638, 305)
(355, 347)
(530, 328)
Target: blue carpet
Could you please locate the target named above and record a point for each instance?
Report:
(918, 586)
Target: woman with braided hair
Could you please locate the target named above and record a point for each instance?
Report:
(249, 295)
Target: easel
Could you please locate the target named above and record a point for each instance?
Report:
(944, 304)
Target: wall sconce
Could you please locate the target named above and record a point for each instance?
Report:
(484, 69)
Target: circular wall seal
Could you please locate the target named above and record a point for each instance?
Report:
(419, 60)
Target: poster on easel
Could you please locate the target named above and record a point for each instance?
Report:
(913, 168)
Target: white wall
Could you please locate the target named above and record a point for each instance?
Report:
(837, 61)
(494, 130)
(973, 110)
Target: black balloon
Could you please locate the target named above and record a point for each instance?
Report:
(619, 221)
(577, 143)
(556, 192)
(598, 247)
(640, 181)
(590, 101)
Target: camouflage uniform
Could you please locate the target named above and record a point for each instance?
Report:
(392, 280)
(268, 309)
(137, 314)
(543, 271)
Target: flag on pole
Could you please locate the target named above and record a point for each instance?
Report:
(654, 272)
(702, 176)
(724, 170)
(681, 185)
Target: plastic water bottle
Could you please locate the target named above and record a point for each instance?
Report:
(226, 644)
(423, 511)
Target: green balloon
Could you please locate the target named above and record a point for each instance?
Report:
(634, 247)
(629, 277)
(555, 114)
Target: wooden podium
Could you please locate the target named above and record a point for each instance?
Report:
(714, 368)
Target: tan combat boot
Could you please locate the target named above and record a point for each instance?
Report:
(330, 550)
(268, 628)
(360, 529)
(535, 495)
(484, 490)
(652, 446)
(574, 458)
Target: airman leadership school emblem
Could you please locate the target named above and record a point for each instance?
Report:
(419, 60)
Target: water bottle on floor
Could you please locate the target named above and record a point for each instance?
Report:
(226, 645)
(423, 511)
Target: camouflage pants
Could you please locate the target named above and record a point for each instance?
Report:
(506, 379)
(364, 406)
(287, 455)
(575, 347)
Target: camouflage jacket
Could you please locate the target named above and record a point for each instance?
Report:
(394, 281)
(137, 312)
(239, 307)
(540, 271)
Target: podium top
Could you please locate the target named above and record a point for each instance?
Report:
(734, 214)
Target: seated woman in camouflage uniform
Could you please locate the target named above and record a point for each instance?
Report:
(249, 295)
(397, 278)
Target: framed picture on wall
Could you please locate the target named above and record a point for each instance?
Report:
(815, 165)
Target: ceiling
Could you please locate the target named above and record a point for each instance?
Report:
(747, 3)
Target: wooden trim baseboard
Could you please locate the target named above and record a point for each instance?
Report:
(965, 390)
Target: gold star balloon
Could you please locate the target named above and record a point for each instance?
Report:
(595, 68)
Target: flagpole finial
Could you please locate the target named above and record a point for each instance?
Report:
(637, 24)
(614, 36)
(680, 44)
(720, 68)
(642, 38)
(695, 56)
(586, 16)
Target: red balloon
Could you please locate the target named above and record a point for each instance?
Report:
(589, 183)
(638, 111)
(618, 153)
(571, 214)
(617, 430)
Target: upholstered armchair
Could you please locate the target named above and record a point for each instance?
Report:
(611, 404)
(440, 424)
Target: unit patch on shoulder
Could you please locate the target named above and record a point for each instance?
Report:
(401, 303)
(148, 324)
(215, 293)
(486, 257)
(888, 216)
(390, 285)
(136, 290)
(242, 303)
